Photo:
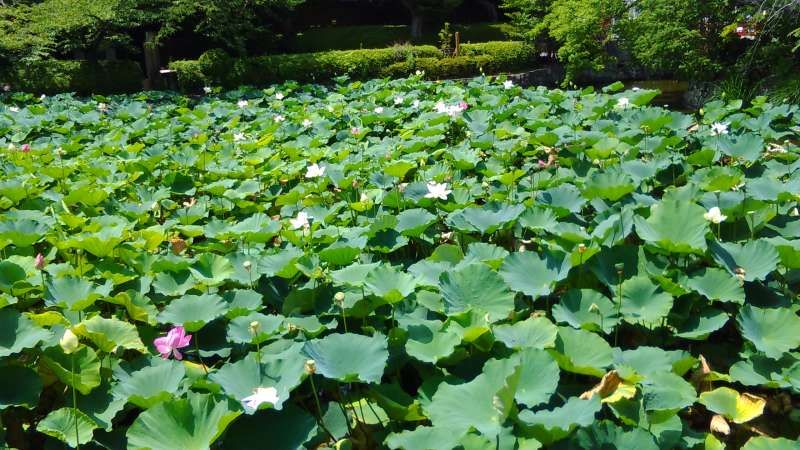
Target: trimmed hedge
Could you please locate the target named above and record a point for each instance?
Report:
(217, 68)
(50, 76)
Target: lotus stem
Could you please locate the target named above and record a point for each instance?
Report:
(74, 400)
(319, 408)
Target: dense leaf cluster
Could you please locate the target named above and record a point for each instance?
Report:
(396, 265)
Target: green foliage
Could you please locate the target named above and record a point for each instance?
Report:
(387, 264)
(52, 76)
(217, 68)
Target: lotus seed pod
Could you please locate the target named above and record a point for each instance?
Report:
(255, 327)
(311, 367)
(69, 342)
(619, 267)
(247, 265)
(582, 248)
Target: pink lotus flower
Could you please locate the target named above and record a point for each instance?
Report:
(175, 339)
(25, 148)
(463, 105)
(39, 262)
(355, 131)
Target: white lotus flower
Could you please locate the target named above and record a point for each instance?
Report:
(102, 106)
(279, 118)
(314, 171)
(238, 137)
(623, 102)
(718, 128)
(440, 107)
(13, 109)
(398, 100)
(378, 110)
(42, 97)
(301, 221)
(419, 73)
(261, 395)
(242, 103)
(307, 123)
(715, 215)
(437, 190)
(508, 84)
(279, 95)
(415, 104)
(207, 89)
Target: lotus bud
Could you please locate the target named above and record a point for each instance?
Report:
(292, 328)
(255, 327)
(284, 181)
(247, 265)
(619, 267)
(69, 342)
(740, 273)
(339, 298)
(422, 162)
(719, 425)
(354, 184)
(593, 308)
(39, 262)
(311, 366)
(794, 212)
(522, 248)
(581, 248)
(26, 148)
(486, 318)
(485, 185)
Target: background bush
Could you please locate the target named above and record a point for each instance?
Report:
(83, 77)
(220, 69)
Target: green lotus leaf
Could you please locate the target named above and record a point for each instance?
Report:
(582, 352)
(61, 424)
(772, 331)
(716, 284)
(287, 429)
(283, 371)
(413, 222)
(643, 301)
(193, 312)
(173, 283)
(768, 443)
(611, 185)
(109, 334)
(649, 361)
(258, 228)
(758, 258)
(211, 269)
(739, 408)
(486, 253)
(667, 391)
(74, 293)
(587, 309)
(425, 438)
(10, 274)
(563, 199)
(702, 323)
(484, 220)
(747, 146)
(240, 328)
(548, 426)
(349, 357)
(483, 403)
(80, 370)
(193, 423)
(100, 405)
(429, 341)
(477, 287)
(18, 333)
(533, 332)
(281, 263)
(674, 226)
(22, 232)
(539, 375)
(389, 283)
(19, 386)
(151, 384)
(718, 178)
(533, 274)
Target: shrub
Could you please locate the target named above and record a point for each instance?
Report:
(217, 68)
(82, 77)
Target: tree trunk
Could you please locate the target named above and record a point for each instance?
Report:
(416, 19)
(490, 8)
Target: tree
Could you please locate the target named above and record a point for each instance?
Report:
(422, 10)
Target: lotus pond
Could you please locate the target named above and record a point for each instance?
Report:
(398, 264)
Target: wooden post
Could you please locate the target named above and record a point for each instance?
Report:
(458, 44)
(151, 64)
